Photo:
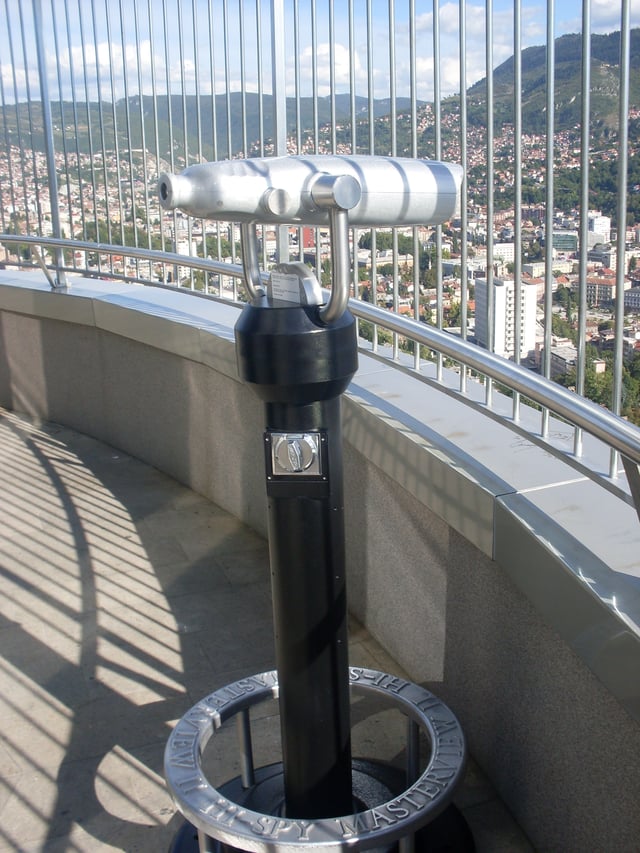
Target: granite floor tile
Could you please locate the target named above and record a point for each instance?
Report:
(125, 599)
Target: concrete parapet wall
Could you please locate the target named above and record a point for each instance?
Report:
(473, 555)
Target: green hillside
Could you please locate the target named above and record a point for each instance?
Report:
(214, 127)
(605, 69)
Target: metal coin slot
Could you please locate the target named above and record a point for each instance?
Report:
(295, 453)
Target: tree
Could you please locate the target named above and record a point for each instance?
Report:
(562, 328)
(455, 311)
(563, 297)
(384, 240)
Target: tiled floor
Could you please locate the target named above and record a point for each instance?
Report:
(124, 599)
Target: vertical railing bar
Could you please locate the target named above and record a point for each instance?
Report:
(259, 61)
(464, 205)
(198, 96)
(8, 148)
(370, 80)
(392, 77)
(154, 102)
(167, 72)
(621, 217)
(85, 70)
(490, 307)
(298, 108)
(279, 72)
(296, 81)
(127, 113)
(352, 79)
(517, 189)
(228, 109)
(374, 283)
(116, 142)
(143, 133)
(243, 76)
(214, 133)
(354, 137)
(49, 142)
(258, 33)
(393, 152)
(16, 102)
(314, 84)
(76, 123)
(414, 153)
(279, 82)
(32, 147)
(372, 150)
(22, 147)
(548, 228)
(437, 97)
(63, 135)
(413, 78)
(585, 111)
(227, 80)
(332, 79)
(185, 125)
(212, 69)
(105, 176)
(396, 288)
(196, 66)
(183, 86)
(416, 292)
(316, 120)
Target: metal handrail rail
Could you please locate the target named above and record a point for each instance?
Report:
(579, 411)
(155, 255)
(618, 434)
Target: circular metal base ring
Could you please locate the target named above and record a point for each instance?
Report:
(219, 817)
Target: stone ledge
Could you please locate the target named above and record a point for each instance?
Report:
(541, 521)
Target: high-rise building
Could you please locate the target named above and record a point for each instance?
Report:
(599, 228)
(504, 317)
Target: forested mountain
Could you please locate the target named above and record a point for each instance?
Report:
(605, 70)
(214, 126)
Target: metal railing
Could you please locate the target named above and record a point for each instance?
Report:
(97, 98)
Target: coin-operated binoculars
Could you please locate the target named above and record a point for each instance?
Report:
(297, 349)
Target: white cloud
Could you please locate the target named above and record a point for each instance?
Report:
(341, 69)
(605, 17)
(19, 80)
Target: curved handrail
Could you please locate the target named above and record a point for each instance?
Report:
(156, 255)
(604, 425)
(612, 430)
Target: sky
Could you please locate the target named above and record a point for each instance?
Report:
(124, 46)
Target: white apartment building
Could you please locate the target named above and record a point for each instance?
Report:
(505, 251)
(599, 228)
(504, 317)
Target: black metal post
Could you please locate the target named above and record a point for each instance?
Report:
(298, 351)
(300, 366)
